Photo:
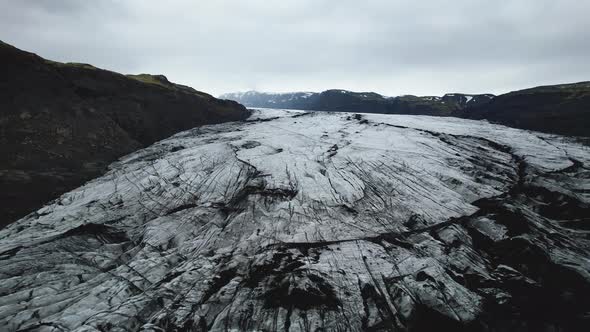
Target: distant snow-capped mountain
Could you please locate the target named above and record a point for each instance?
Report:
(291, 100)
(365, 102)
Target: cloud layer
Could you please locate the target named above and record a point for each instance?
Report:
(391, 47)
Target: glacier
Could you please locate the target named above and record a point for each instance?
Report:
(314, 221)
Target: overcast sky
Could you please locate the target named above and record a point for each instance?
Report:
(427, 47)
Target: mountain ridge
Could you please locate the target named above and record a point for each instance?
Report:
(560, 109)
(339, 100)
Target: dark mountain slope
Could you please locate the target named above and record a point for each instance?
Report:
(560, 109)
(62, 124)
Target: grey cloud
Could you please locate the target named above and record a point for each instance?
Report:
(392, 47)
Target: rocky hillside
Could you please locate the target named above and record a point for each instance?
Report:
(361, 102)
(561, 109)
(61, 124)
(314, 222)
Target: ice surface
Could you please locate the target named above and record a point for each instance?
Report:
(289, 220)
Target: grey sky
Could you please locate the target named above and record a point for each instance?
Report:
(391, 47)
